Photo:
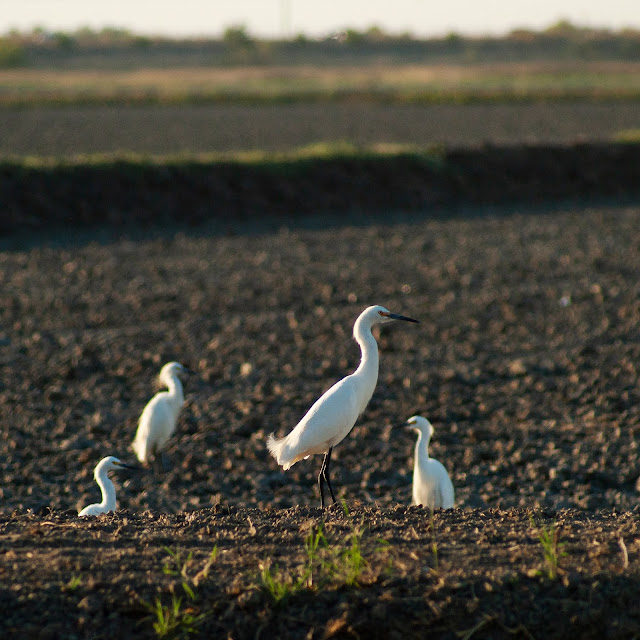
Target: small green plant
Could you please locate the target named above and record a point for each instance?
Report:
(315, 543)
(176, 619)
(73, 584)
(551, 547)
(175, 565)
(352, 560)
(278, 586)
(173, 620)
(326, 564)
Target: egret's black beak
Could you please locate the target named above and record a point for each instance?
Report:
(128, 467)
(395, 316)
(404, 425)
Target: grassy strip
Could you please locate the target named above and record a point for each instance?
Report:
(433, 155)
(257, 158)
(627, 136)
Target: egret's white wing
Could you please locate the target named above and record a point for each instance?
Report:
(446, 490)
(432, 486)
(163, 422)
(92, 510)
(155, 426)
(327, 422)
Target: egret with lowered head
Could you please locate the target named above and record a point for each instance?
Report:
(159, 418)
(333, 415)
(432, 486)
(110, 463)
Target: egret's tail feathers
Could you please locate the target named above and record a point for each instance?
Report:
(279, 450)
(140, 449)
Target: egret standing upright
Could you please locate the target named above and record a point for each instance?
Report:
(110, 463)
(432, 486)
(158, 419)
(333, 415)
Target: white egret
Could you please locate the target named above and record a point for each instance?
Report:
(432, 486)
(110, 463)
(333, 415)
(158, 419)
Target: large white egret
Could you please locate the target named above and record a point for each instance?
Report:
(159, 418)
(432, 486)
(333, 415)
(110, 463)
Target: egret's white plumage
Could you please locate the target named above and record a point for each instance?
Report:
(432, 486)
(333, 415)
(110, 463)
(159, 418)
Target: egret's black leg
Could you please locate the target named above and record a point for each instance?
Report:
(157, 462)
(325, 474)
(321, 477)
(166, 464)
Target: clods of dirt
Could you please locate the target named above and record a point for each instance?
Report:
(379, 573)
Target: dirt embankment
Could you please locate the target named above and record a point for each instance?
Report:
(132, 194)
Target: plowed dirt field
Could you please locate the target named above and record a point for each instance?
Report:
(526, 361)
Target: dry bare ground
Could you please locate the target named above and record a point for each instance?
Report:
(218, 128)
(526, 361)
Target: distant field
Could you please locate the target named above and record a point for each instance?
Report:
(172, 129)
(410, 83)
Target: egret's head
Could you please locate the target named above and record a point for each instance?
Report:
(172, 369)
(111, 463)
(421, 425)
(379, 315)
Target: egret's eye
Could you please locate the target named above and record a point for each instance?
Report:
(381, 313)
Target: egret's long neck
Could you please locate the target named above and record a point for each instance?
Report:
(368, 367)
(174, 387)
(422, 447)
(108, 493)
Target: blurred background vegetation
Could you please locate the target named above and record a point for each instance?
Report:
(113, 48)
(115, 65)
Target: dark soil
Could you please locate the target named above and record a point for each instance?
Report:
(526, 361)
(486, 577)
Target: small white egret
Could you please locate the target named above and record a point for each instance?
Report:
(333, 415)
(432, 485)
(110, 463)
(158, 419)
